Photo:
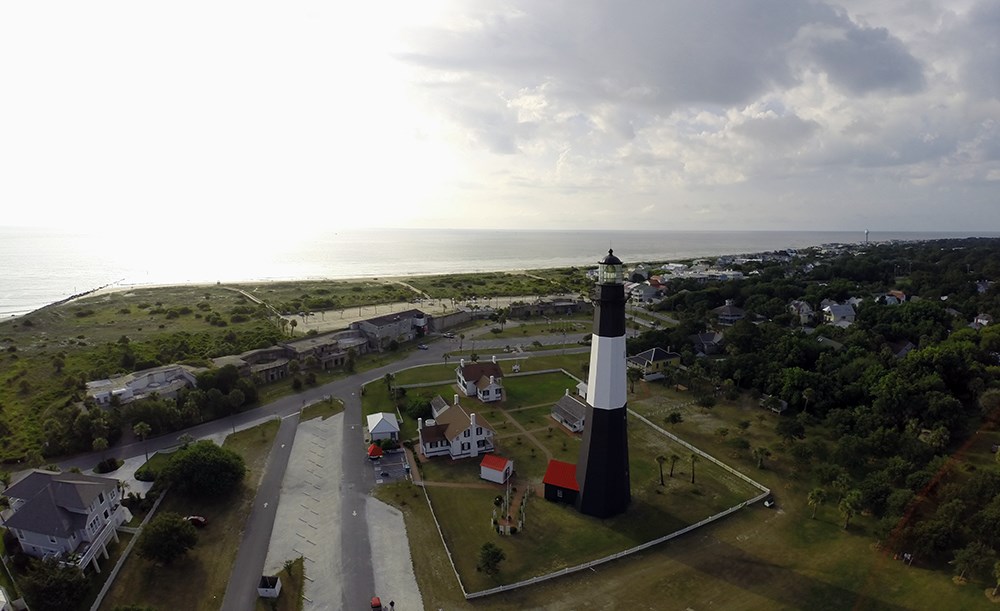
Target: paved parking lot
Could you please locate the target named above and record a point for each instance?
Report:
(389, 468)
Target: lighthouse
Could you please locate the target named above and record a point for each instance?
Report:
(602, 472)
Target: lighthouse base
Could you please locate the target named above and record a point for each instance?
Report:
(602, 471)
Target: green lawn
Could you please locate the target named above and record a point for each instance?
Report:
(534, 417)
(206, 568)
(524, 391)
(322, 409)
(529, 465)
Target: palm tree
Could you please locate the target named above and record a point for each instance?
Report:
(673, 461)
(461, 340)
(142, 431)
(659, 461)
(849, 506)
(694, 459)
(808, 395)
(389, 381)
(633, 375)
(996, 575)
(816, 498)
(760, 454)
(294, 323)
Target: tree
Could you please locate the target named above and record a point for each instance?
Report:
(204, 469)
(759, 455)
(490, 557)
(817, 496)
(975, 558)
(461, 340)
(633, 375)
(142, 431)
(790, 429)
(5, 478)
(694, 459)
(100, 444)
(236, 398)
(53, 586)
(167, 537)
(673, 461)
(294, 323)
(849, 506)
(659, 461)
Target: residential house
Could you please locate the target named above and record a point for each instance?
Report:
(640, 273)
(839, 315)
(644, 292)
(570, 411)
(482, 380)
(66, 515)
(653, 362)
(826, 342)
(496, 469)
(383, 425)
(454, 432)
(773, 403)
(900, 348)
(164, 382)
(560, 482)
(400, 327)
(551, 307)
(729, 314)
(803, 310)
(707, 343)
(980, 321)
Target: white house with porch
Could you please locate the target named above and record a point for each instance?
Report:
(454, 432)
(70, 516)
(481, 380)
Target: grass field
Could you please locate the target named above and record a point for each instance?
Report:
(757, 558)
(323, 409)
(206, 568)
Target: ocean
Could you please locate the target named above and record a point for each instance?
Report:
(40, 266)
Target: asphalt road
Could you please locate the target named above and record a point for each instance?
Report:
(359, 582)
(241, 593)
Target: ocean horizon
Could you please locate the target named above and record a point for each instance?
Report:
(40, 266)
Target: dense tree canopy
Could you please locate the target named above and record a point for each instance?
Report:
(165, 538)
(204, 469)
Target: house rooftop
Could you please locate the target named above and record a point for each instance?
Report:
(388, 319)
(55, 503)
(562, 474)
(494, 462)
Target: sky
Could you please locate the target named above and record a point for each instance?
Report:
(697, 115)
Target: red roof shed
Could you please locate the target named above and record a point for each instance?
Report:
(374, 451)
(560, 482)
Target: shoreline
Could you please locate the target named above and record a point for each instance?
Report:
(121, 285)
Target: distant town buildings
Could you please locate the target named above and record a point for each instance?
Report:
(164, 381)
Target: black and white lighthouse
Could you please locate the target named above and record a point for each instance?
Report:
(602, 471)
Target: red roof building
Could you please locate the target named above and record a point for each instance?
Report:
(560, 482)
(374, 451)
(495, 468)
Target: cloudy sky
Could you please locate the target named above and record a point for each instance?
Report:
(705, 114)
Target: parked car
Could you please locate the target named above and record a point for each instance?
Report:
(384, 474)
(449, 335)
(197, 521)
(769, 501)
(422, 347)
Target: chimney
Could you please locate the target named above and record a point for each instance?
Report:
(472, 422)
(420, 423)
(567, 392)
(461, 363)
(456, 399)
(491, 380)
(494, 358)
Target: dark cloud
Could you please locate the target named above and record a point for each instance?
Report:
(650, 52)
(864, 60)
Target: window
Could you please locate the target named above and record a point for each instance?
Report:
(100, 497)
(479, 430)
(558, 494)
(481, 444)
(465, 446)
(466, 432)
(52, 539)
(105, 514)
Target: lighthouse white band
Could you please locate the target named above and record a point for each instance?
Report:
(606, 382)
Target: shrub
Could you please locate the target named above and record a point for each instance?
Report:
(108, 465)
